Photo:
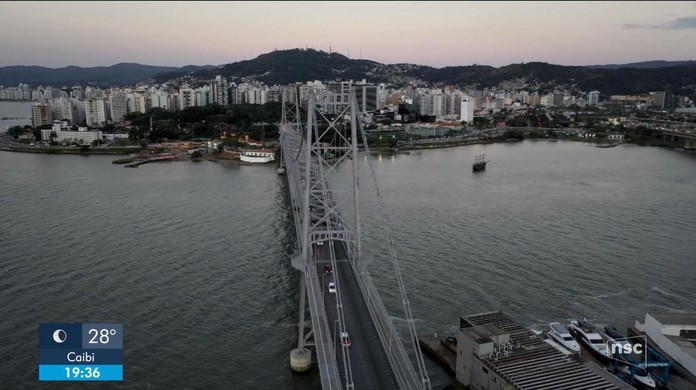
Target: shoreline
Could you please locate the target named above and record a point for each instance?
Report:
(104, 151)
(400, 148)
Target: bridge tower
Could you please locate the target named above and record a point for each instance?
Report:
(319, 150)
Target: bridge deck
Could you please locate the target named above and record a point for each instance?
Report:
(370, 367)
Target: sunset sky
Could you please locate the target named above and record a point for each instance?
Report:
(57, 34)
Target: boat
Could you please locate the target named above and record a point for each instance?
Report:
(257, 156)
(548, 340)
(560, 334)
(611, 145)
(613, 337)
(586, 334)
(641, 377)
(480, 163)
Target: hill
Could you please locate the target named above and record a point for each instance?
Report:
(119, 74)
(302, 65)
(643, 65)
(289, 66)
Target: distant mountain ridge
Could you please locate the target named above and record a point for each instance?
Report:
(643, 65)
(116, 75)
(302, 65)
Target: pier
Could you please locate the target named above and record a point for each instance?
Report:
(141, 161)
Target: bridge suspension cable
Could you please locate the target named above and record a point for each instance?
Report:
(420, 362)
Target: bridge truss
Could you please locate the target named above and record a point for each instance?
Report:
(314, 146)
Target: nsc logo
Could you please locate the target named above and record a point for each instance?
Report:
(632, 346)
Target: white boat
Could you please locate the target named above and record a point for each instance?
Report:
(586, 334)
(640, 375)
(561, 335)
(548, 340)
(257, 156)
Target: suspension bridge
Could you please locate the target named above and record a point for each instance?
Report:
(353, 336)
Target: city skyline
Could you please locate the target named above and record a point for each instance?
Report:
(436, 34)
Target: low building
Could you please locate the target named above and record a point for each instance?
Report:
(48, 134)
(115, 136)
(675, 334)
(81, 136)
(496, 353)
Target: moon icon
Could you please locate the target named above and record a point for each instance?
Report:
(59, 336)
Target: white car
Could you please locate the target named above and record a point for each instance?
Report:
(332, 288)
(345, 339)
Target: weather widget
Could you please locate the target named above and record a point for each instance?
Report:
(80, 352)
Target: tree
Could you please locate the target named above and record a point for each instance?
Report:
(481, 122)
(220, 148)
(196, 154)
(15, 131)
(514, 134)
(135, 133)
(37, 133)
(164, 130)
(517, 121)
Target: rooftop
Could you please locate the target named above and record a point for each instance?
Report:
(534, 364)
(675, 318)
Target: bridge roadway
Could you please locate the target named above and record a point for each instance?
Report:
(369, 364)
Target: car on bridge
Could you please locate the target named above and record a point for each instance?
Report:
(332, 288)
(328, 269)
(345, 339)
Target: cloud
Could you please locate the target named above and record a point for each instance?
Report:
(688, 22)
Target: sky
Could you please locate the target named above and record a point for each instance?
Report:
(57, 34)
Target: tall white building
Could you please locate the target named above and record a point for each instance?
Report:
(547, 100)
(439, 106)
(160, 99)
(119, 107)
(187, 98)
(467, 109)
(593, 98)
(40, 115)
(137, 102)
(202, 95)
(63, 109)
(367, 97)
(95, 111)
(453, 103)
(218, 89)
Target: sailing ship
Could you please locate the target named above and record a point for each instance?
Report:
(480, 163)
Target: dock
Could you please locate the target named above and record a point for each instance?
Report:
(161, 157)
(679, 377)
(439, 349)
(496, 351)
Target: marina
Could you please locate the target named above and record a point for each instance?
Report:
(501, 344)
(493, 351)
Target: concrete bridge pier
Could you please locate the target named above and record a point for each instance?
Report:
(300, 360)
